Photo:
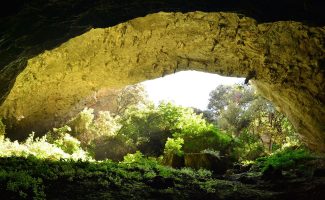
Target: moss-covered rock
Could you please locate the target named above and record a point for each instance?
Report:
(218, 164)
(173, 160)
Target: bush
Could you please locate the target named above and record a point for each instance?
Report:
(133, 158)
(105, 125)
(174, 146)
(210, 138)
(85, 130)
(248, 146)
(149, 128)
(288, 158)
(39, 148)
(68, 143)
(113, 147)
(82, 122)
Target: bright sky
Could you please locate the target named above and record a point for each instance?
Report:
(187, 88)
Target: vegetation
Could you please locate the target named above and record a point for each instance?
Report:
(285, 159)
(174, 146)
(149, 127)
(252, 120)
(62, 148)
(132, 95)
(239, 127)
(26, 178)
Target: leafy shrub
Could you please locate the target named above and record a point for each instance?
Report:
(210, 138)
(113, 147)
(248, 146)
(82, 121)
(133, 158)
(150, 126)
(105, 125)
(86, 127)
(288, 158)
(68, 143)
(174, 146)
(23, 183)
(139, 161)
(146, 127)
(39, 148)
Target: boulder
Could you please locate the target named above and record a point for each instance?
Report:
(173, 160)
(207, 161)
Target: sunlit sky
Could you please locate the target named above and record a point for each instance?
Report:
(187, 88)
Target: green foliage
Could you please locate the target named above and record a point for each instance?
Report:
(248, 146)
(218, 100)
(81, 123)
(32, 178)
(251, 119)
(284, 159)
(113, 147)
(41, 148)
(143, 128)
(174, 146)
(105, 125)
(23, 183)
(68, 143)
(133, 158)
(209, 138)
(87, 128)
(230, 105)
(132, 95)
(150, 126)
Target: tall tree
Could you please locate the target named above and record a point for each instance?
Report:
(238, 109)
(129, 96)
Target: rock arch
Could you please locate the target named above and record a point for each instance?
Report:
(285, 59)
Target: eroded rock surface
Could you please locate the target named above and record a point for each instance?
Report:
(27, 28)
(285, 59)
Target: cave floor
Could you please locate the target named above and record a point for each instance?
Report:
(22, 178)
(87, 189)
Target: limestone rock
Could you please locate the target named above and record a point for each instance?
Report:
(286, 58)
(207, 161)
(173, 160)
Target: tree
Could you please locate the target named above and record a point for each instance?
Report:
(239, 110)
(230, 107)
(219, 99)
(129, 96)
(149, 128)
(208, 115)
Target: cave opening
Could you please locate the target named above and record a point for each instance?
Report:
(282, 59)
(141, 49)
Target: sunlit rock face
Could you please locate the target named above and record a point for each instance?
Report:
(285, 59)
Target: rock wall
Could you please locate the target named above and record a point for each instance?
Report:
(27, 28)
(285, 59)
